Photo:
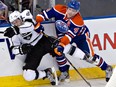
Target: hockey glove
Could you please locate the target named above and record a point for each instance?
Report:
(39, 28)
(11, 31)
(59, 49)
(25, 48)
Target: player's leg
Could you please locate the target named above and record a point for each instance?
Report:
(33, 60)
(63, 67)
(50, 73)
(98, 60)
(94, 59)
(61, 61)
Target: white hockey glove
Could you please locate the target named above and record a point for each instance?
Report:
(25, 48)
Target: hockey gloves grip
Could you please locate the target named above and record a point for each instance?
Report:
(59, 49)
(11, 31)
(25, 48)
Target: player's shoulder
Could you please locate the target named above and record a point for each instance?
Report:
(78, 20)
(60, 8)
(27, 25)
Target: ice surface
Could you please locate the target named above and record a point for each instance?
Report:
(80, 83)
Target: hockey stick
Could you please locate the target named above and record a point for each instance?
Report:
(79, 72)
(41, 9)
(1, 32)
(55, 75)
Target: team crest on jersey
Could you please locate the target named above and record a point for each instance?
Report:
(26, 36)
(28, 14)
(76, 30)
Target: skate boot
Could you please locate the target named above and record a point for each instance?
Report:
(64, 76)
(51, 75)
(108, 71)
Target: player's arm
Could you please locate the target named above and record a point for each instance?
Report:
(46, 15)
(60, 47)
(39, 28)
(66, 39)
(50, 13)
(18, 48)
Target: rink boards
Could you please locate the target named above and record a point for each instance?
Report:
(103, 36)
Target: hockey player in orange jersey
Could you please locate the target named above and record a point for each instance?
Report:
(77, 32)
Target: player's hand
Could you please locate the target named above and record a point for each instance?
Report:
(11, 31)
(39, 28)
(25, 48)
(59, 49)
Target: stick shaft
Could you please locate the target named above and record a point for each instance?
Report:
(78, 72)
(1, 32)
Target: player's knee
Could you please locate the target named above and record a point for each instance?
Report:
(98, 60)
(73, 51)
(70, 49)
(29, 75)
(67, 49)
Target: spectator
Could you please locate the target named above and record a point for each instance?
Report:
(12, 5)
(3, 12)
(27, 4)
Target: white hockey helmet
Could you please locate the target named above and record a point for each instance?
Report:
(14, 15)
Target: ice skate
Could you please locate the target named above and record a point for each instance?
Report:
(64, 76)
(108, 71)
(51, 75)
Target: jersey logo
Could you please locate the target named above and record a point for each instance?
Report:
(26, 36)
(28, 14)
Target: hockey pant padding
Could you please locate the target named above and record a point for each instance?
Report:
(77, 53)
(73, 51)
(30, 75)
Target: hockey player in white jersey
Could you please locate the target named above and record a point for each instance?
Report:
(32, 43)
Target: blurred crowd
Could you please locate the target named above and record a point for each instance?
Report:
(6, 7)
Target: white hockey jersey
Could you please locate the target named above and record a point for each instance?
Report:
(27, 35)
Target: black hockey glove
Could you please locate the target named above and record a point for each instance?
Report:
(25, 48)
(11, 31)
